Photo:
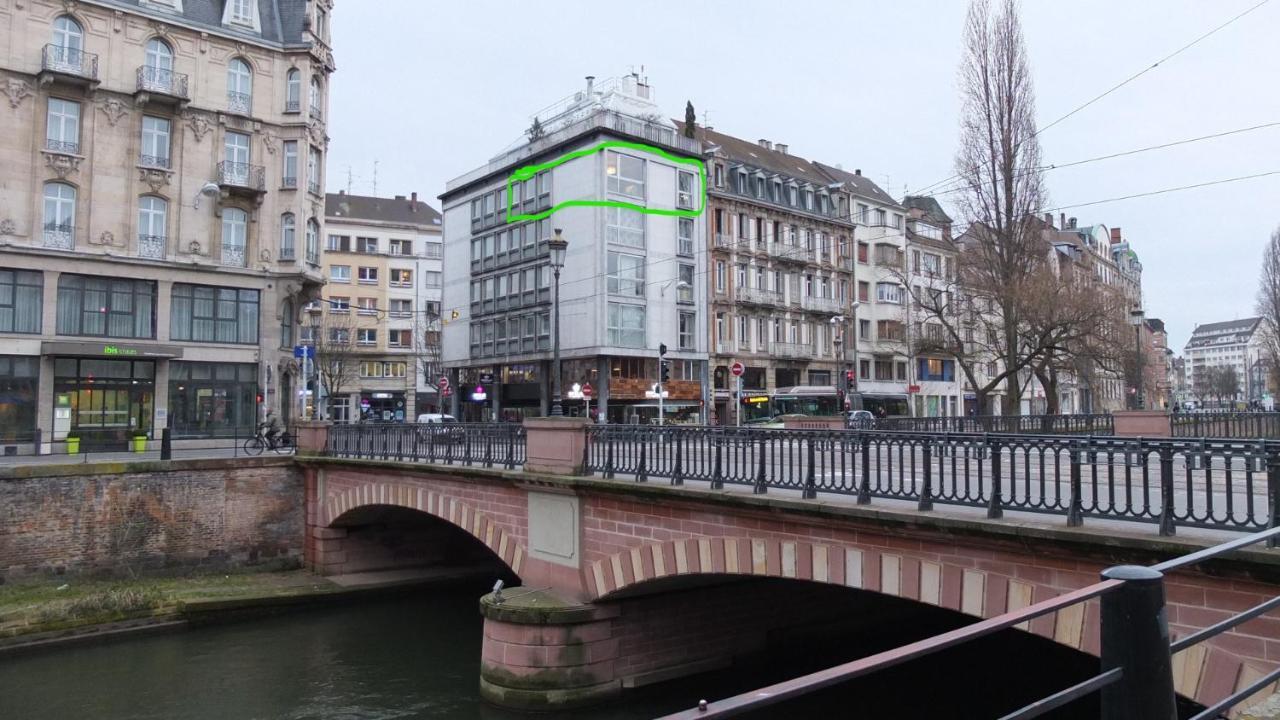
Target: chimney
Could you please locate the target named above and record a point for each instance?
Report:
(1048, 219)
(781, 148)
(400, 197)
(1115, 236)
(858, 172)
(342, 192)
(1072, 223)
(413, 204)
(1062, 221)
(764, 144)
(591, 84)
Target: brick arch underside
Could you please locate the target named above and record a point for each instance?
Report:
(450, 509)
(1203, 673)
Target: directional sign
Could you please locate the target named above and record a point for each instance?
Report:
(586, 391)
(737, 369)
(304, 351)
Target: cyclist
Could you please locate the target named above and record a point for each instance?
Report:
(270, 428)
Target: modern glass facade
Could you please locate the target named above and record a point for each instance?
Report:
(103, 402)
(212, 399)
(19, 381)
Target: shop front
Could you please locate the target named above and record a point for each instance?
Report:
(19, 383)
(104, 393)
(212, 400)
(382, 406)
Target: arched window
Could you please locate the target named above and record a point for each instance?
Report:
(235, 225)
(293, 91)
(68, 43)
(288, 231)
(313, 242)
(59, 215)
(157, 73)
(315, 96)
(286, 324)
(239, 87)
(153, 216)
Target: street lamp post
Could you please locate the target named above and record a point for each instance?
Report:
(558, 245)
(1136, 316)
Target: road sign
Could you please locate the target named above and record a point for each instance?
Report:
(737, 369)
(586, 391)
(444, 383)
(304, 351)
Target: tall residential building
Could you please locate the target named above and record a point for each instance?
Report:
(937, 384)
(161, 213)
(1235, 344)
(781, 277)
(1156, 359)
(632, 280)
(379, 321)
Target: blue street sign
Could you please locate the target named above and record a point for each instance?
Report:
(304, 351)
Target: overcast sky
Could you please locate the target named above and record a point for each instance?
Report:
(431, 90)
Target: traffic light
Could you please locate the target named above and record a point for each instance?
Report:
(259, 398)
(666, 370)
(662, 350)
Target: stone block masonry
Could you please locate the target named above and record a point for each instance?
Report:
(123, 518)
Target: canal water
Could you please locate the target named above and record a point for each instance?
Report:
(417, 656)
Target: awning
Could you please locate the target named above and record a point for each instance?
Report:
(108, 349)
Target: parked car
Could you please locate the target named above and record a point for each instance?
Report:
(437, 427)
(436, 418)
(860, 420)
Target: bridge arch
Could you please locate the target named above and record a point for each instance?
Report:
(1203, 673)
(453, 510)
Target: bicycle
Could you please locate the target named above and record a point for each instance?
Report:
(281, 443)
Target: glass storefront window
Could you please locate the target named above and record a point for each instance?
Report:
(103, 402)
(19, 381)
(212, 399)
(106, 307)
(213, 314)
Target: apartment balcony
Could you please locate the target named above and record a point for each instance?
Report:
(791, 253)
(289, 182)
(234, 256)
(62, 147)
(154, 162)
(162, 86)
(239, 103)
(727, 348)
(844, 263)
(798, 351)
(243, 179)
(60, 236)
(152, 246)
(821, 305)
(315, 113)
(313, 187)
(726, 241)
(68, 65)
(756, 296)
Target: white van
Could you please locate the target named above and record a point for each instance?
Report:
(436, 418)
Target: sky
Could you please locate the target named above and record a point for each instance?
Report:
(431, 90)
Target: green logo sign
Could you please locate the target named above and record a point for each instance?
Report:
(117, 350)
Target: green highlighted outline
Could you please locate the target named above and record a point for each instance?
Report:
(529, 171)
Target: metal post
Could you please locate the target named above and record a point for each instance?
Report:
(1166, 489)
(926, 490)
(1135, 638)
(556, 409)
(677, 474)
(37, 445)
(864, 487)
(810, 491)
(717, 473)
(1273, 496)
(1075, 511)
(994, 509)
(738, 413)
(166, 445)
(762, 477)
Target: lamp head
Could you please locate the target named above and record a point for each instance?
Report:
(558, 246)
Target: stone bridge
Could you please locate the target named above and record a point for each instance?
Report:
(624, 584)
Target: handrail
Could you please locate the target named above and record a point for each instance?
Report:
(1208, 553)
(1062, 697)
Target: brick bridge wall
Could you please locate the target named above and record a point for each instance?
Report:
(635, 534)
(113, 518)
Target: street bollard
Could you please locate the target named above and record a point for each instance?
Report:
(1135, 638)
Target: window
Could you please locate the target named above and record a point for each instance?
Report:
(366, 336)
(293, 91)
(286, 324)
(339, 243)
(890, 330)
(401, 277)
(720, 276)
(433, 278)
(897, 221)
(864, 214)
(368, 275)
(401, 308)
(684, 237)
(864, 329)
(62, 133)
(339, 305)
(340, 273)
(106, 307)
(367, 245)
(626, 274)
(313, 242)
(152, 226)
(740, 278)
(686, 330)
(684, 286)
(626, 325)
(339, 336)
(59, 215)
(288, 232)
(315, 97)
(864, 291)
(399, 338)
(241, 12)
(68, 37)
(435, 249)
(879, 217)
(213, 399)
(931, 264)
(719, 175)
(322, 23)
(239, 85)
(684, 190)
(290, 156)
(235, 170)
(935, 369)
(313, 170)
(888, 293)
(21, 301)
(367, 306)
(212, 314)
(400, 247)
(155, 142)
(624, 227)
(626, 174)
(234, 235)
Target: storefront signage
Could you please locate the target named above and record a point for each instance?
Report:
(575, 392)
(118, 350)
(89, 349)
(479, 395)
(913, 388)
(382, 396)
(755, 400)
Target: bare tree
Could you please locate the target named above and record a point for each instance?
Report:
(1269, 304)
(337, 363)
(1002, 188)
(426, 350)
(1226, 383)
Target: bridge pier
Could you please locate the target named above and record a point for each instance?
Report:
(541, 652)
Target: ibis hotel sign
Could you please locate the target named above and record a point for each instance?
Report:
(110, 350)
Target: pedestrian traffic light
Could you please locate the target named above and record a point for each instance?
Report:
(662, 350)
(259, 398)
(666, 370)
(848, 378)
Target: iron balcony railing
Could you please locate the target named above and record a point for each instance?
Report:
(242, 175)
(829, 306)
(1038, 424)
(240, 103)
(1219, 484)
(162, 80)
(60, 236)
(67, 147)
(756, 296)
(234, 255)
(289, 181)
(292, 106)
(792, 350)
(481, 444)
(70, 61)
(160, 162)
(152, 246)
(313, 186)
(1226, 425)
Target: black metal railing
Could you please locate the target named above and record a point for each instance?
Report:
(1226, 424)
(292, 106)
(69, 147)
(1222, 484)
(480, 444)
(162, 80)
(88, 445)
(242, 175)
(1136, 678)
(70, 61)
(289, 181)
(159, 162)
(1039, 424)
(239, 103)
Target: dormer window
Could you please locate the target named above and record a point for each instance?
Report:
(243, 14)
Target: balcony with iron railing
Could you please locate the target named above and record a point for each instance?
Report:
(69, 64)
(239, 103)
(234, 256)
(155, 162)
(242, 177)
(757, 296)
(64, 147)
(726, 347)
(60, 236)
(313, 186)
(152, 246)
(289, 182)
(315, 112)
(156, 84)
(827, 306)
(793, 350)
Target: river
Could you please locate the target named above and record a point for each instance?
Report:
(417, 656)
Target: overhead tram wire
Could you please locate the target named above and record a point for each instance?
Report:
(1121, 84)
